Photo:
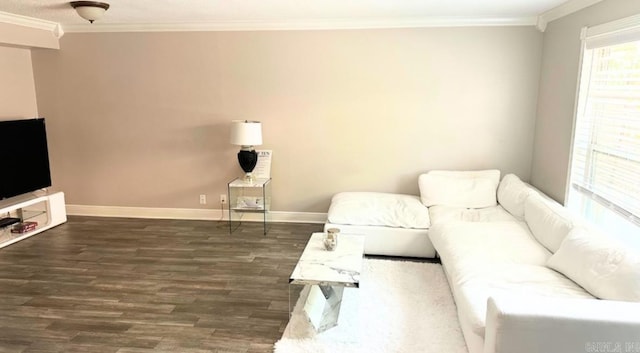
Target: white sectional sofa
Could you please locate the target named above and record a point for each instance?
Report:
(525, 274)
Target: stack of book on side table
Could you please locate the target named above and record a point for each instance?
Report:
(24, 227)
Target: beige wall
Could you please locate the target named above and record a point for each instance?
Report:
(558, 82)
(142, 119)
(17, 89)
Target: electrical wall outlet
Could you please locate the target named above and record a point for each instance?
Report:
(203, 199)
(223, 198)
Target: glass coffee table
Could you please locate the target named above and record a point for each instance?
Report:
(327, 273)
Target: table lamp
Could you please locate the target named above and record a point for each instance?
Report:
(247, 134)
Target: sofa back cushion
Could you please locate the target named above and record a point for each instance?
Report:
(470, 189)
(549, 223)
(512, 193)
(599, 264)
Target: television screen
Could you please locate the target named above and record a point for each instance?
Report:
(24, 157)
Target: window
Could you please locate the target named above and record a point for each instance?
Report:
(604, 182)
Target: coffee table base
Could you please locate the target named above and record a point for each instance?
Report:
(326, 274)
(323, 306)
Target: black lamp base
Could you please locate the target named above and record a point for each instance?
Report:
(248, 161)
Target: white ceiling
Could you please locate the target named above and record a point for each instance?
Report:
(140, 12)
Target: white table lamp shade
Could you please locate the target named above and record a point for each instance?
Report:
(246, 133)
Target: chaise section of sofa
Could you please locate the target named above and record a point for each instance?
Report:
(511, 270)
(393, 224)
(486, 259)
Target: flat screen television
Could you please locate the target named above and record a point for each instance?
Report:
(24, 156)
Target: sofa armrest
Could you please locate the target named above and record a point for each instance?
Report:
(535, 324)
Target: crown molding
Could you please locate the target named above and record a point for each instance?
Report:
(622, 24)
(540, 22)
(565, 9)
(303, 25)
(31, 22)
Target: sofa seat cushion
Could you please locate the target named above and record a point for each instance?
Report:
(524, 281)
(463, 246)
(378, 209)
(448, 214)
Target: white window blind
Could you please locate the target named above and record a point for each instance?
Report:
(605, 165)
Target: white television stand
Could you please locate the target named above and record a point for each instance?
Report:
(48, 210)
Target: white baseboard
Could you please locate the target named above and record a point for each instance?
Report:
(190, 213)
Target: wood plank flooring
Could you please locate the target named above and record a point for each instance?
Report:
(139, 285)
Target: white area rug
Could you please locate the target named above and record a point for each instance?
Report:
(400, 307)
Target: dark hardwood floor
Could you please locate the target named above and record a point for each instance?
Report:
(141, 285)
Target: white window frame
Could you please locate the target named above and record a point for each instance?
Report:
(620, 31)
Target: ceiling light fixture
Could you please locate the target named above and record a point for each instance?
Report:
(90, 10)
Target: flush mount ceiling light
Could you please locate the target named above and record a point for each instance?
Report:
(90, 10)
